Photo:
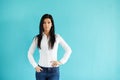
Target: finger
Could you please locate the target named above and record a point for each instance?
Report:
(38, 70)
(41, 69)
(54, 65)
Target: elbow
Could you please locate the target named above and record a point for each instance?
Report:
(29, 55)
(69, 51)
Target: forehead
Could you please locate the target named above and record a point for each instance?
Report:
(47, 19)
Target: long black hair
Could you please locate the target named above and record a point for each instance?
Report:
(51, 33)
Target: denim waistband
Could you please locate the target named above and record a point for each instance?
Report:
(49, 69)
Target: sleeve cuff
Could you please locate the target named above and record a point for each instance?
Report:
(35, 65)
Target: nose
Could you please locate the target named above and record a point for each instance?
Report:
(46, 23)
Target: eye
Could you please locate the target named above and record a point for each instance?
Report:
(44, 22)
(48, 22)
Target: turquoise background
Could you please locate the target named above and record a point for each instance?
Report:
(90, 27)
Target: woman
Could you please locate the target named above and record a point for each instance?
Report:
(47, 42)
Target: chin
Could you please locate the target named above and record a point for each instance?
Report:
(47, 30)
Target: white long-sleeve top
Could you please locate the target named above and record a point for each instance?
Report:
(47, 55)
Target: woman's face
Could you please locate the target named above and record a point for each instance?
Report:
(47, 24)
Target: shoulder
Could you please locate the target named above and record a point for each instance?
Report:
(57, 35)
(35, 38)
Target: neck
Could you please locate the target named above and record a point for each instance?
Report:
(47, 33)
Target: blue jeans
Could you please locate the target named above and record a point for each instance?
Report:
(48, 74)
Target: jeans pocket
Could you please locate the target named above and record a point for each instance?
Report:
(55, 70)
(39, 72)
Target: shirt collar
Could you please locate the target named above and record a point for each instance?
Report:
(45, 35)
